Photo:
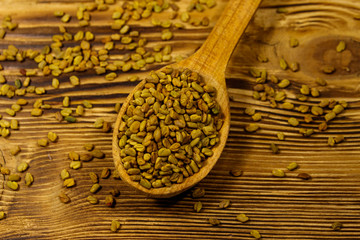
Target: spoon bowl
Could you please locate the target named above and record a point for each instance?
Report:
(210, 62)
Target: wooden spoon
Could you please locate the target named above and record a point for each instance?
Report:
(210, 62)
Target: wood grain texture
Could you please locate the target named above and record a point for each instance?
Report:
(287, 208)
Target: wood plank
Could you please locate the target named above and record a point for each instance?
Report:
(280, 208)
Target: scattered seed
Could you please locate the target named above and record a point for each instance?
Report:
(64, 198)
(255, 234)
(52, 136)
(92, 200)
(304, 176)
(274, 148)
(115, 226)
(341, 46)
(12, 185)
(236, 172)
(280, 136)
(339, 139)
(242, 218)
(69, 182)
(224, 204)
(15, 150)
(214, 221)
(198, 193)
(284, 83)
(252, 127)
(105, 173)
(88, 146)
(283, 64)
(278, 173)
(2, 215)
(321, 81)
(22, 167)
(292, 166)
(293, 121)
(29, 179)
(336, 226)
(294, 42)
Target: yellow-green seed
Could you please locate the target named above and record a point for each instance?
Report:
(75, 165)
(14, 124)
(250, 111)
(99, 123)
(280, 96)
(95, 188)
(36, 112)
(22, 167)
(15, 150)
(292, 166)
(43, 142)
(70, 119)
(284, 83)
(338, 109)
(74, 80)
(87, 104)
(115, 225)
(321, 81)
(280, 136)
(64, 174)
(29, 179)
(255, 234)
(197, 206)
(331, 141)
(52, 136)
(341, 46)
(314, 92)
(10, 112)
(293, 121)
(88, 146)
(336, 226)
(294, 42)
(329, 116)
(278, 173)
(242, 218)
(80, 110)
(256, 117)
(214, 221)
(69, 182)
(66, 101)
(14, 177)
(287, 105)
(317, 111)
(294, 66)
(252, 127)
(339, 139)
(12, 185)
(283, 64)
(274, 148)
(305, 89)
(2, 215)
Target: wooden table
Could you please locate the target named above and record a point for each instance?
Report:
(279, 208)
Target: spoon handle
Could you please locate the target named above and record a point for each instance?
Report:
(215, 53)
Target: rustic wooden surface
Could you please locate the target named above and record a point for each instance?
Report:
(287, 208)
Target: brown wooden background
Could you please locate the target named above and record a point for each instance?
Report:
(287, 208)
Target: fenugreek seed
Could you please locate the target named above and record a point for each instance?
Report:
(74, 80)
(280, 136)
(280, 96)
(36, 112)
(328, 69)
(109, 201)
(256, 117)
(86, 157)
(322, 126)
(4, 171)
(69, 182)
(88, 146)
(21, 102)
(294, 42)
(95, 188)
(336, 226)
(278, 173)
(343, 103)
(94, 177)
(305, 89)
(293, 121)
(64, 198)
(304, 176)
(321, 81)
(198, 193)
(214, 221)
(338, 109)
(341, 46)
(329, 116)
(12, 185)
(66, 101)
(42, 142)
(92, 200)
(339, 139)
(105, 173)
(287, 105)
(314, 92)
(166, 35)
(236, 172)
(14, 177)
(114, 192)
(274, 148)
(145, 183)
(64, 174)
(22, 167)
(252, 127)
(115, 226)
(15, 150)
(317, 111)
(255, 234)
(98, 153)
(197, 206)
(16, 107)
(284, 83)
(75, 165)
(52, 136)
(10, 112)
(292, 166)
(249, 111)
(294, 66)
(242, 218)
(283, 64)
(331, 141)
(2, 215)
(29, 179)
(224, 204)
(73, 156)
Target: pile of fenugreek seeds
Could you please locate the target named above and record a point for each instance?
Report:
(169, 128)
(170, 125)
